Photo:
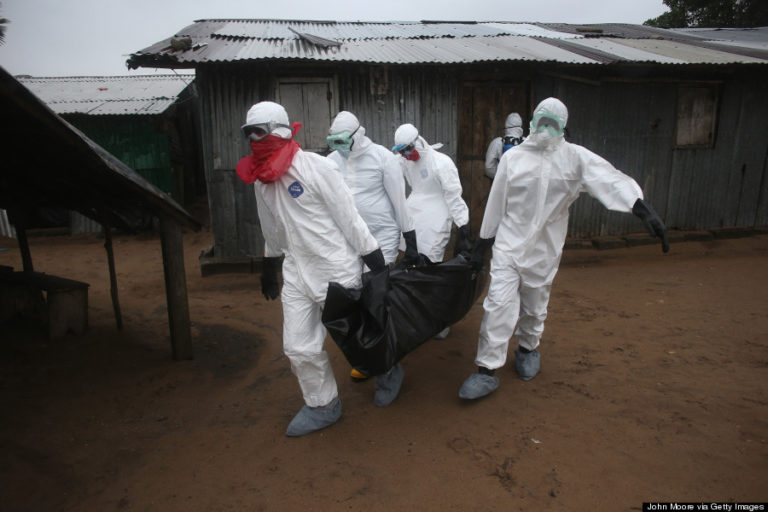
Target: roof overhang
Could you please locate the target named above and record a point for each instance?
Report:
(48, 162)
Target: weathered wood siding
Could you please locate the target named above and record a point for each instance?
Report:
(425, 97)
(630, 121)
(632, 125)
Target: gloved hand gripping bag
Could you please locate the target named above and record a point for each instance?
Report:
(397, 310)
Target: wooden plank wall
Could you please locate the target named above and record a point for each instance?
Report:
(629, 122)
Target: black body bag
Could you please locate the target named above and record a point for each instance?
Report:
(397, 310)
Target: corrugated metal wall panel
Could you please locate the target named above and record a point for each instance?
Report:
(425, 98)
(226, 98)
(691, 188)
(637, 139)
(631, 124)
(749, 177)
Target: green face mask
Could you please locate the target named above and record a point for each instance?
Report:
(341, 141)
(549, 122)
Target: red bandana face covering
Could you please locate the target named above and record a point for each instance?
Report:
(413, 156)
(271, 158)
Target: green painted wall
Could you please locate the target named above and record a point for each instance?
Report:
(138, 141)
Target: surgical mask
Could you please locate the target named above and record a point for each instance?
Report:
(257, 132)
(544, 121)
(341, 141)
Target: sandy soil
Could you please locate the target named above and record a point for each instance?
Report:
(654, 387)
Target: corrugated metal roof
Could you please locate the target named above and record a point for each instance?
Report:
(400, 51)
(664, 52)
(108, 95)
(436, 43)
(349, 31)
(756, 37)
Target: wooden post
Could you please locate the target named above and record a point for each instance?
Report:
(26, 255)
(19, 220)
(112, 276)
(176, 289)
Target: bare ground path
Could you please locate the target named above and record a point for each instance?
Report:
(654, 387)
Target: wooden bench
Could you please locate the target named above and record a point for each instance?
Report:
(64, 307)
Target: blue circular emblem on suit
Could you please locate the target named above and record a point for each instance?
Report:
(295, 189)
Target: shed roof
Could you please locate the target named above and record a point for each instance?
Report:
(108, 95)
(427, 42)
(48, 162)
(756, 37)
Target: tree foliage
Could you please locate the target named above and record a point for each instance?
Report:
(712, 13)
(3, 23)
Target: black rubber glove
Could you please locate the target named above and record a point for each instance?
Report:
(411, 256)
(652, 221)
(463, 243)
(270, 285)
(375, 260)
(478, 252)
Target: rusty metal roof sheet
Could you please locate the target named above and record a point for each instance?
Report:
(108, 95)
(435, 43)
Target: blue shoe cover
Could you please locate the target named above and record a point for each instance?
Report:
(527, 364)
(388, 386)
(310, 419)
(478, 385)
(443, 334)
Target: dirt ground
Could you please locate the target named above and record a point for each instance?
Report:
(654, 387)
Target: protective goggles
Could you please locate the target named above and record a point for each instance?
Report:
(261, 130)
(549, 122)
(544, 121)
(404, 149)
(341, 140)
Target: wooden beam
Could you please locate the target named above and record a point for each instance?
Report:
(18, 218)
(112, 276)
(176, 288)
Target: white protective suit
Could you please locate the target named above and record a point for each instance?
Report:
(374, 176)
(513, 127)
(435, 199)
(309, 215)
(527, 212)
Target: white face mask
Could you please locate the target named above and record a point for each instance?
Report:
(544, 138)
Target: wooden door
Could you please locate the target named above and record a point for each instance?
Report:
(483, 107)
(312, 102)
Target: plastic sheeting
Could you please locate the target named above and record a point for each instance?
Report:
(397, 310)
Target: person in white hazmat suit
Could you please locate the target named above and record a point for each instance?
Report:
(308, 215)
(374, 176)
(435, 201)
(513, 136)
(526, 222)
